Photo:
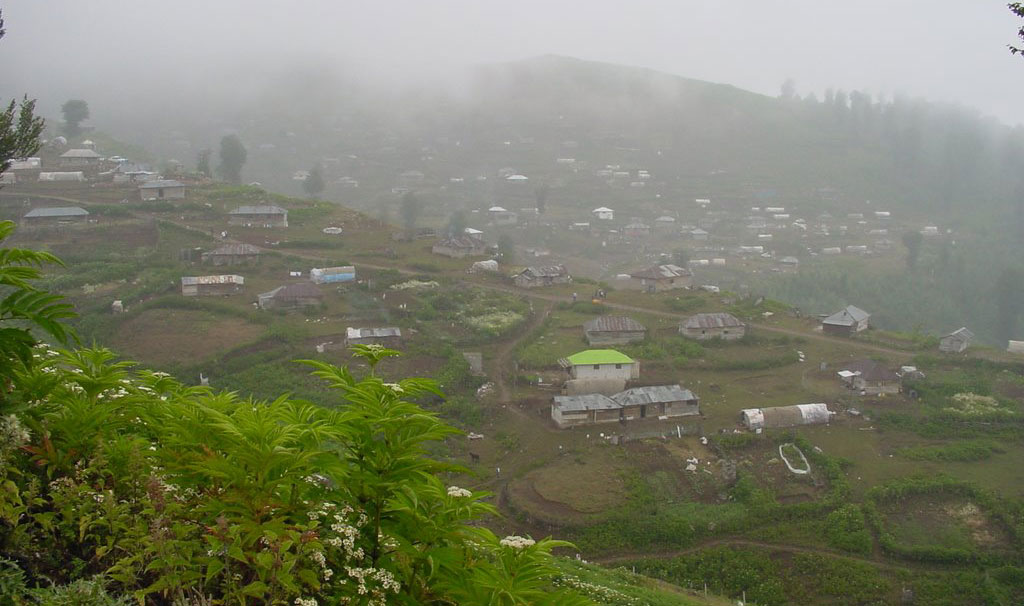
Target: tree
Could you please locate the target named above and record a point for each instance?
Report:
(410, 210)
(912, 240)
(788, 90)
(457, 223)
(232, 158)
(542, 198)
(1009, 295)
(681, 257)
(203, 163)
(19, 127)
(506, 249)
(313, 185)
(75, 112)
(1017, 8)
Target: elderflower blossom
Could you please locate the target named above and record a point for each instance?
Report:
(455, 491)
(394, 387)
(305, 602)
(517, 542)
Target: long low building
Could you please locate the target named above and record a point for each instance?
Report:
(634, 403)
(199, 286)
(785, 416)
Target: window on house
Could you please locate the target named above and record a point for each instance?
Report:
(597, 367)
(618, 367)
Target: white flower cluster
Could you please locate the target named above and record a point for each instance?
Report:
(455, 491)
(383, 579)
(517, 542)
(12, 433)
(305, 602)
(395, 388)
(599, 593)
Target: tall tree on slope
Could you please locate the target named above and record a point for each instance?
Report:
(20, 128)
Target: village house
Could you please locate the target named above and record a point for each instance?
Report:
(718, 325)
(473, 233)
(163, 189)
(699, 234)
(291, 296)
(613, 330)
(55, 215)
(956, 341)
(757, 419)
(603, 213)
(869, 378)
(259, 216)
(501, 216)
(388, 336)
(603, 371)
(332, 275)
(659, 278)
(232, 254)
(536, 277)
(636, 230)
(79, 158)
(636, 403)
(458, 247)
(846, 322)
(204, 286)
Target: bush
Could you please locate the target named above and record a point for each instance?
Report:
(846, 529)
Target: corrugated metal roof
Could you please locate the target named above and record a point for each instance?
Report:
(870, 370)
(362, 333)
(461, 242)
(549, 271)
(662, 272)
(80, 153)
(259, 210)
(962, 333)
(712, 320)
(299, 290)
(613, 324)
(225, 279)
(56, 211)
(235, 249)
(593, 401)
(161, 183)
(847, 317)
(653, 394)
(599, 356)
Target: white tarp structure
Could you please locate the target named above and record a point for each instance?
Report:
(785, 416)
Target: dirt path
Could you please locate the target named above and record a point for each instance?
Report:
(735, 542)
(502, 364)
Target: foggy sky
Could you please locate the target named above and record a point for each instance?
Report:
(113, 51)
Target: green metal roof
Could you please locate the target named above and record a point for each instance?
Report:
(599, 356)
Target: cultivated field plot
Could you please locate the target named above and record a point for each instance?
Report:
(178, 336)
(948, 522)
(573, 489)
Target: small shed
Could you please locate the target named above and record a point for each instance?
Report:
(331, 275)
(291, 296)
(232, 254)
(846, 322)
(162, 189)
(718, 325)
(869, 378)
(613, 330)
(387, 336)
(583, 409)
(956, 341)
(259, 216)
(536, 277)
(699, 234)
(55, 214)
(502, 216)
(204, 286)
(27, 164)
(785, 416)
(603, 213)
(76, 175)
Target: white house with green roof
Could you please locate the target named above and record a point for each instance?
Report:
(603, 371)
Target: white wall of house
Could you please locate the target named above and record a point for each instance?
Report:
(606, 371)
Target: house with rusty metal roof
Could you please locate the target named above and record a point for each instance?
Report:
(869, 377)
(717, 325)
(291, 296)
(259, 216)
(613, 330)
(458, 247)
(536, 277)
